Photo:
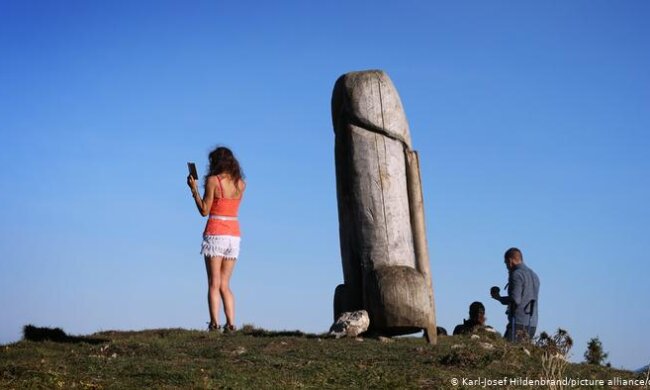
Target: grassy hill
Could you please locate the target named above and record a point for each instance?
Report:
(254, 358)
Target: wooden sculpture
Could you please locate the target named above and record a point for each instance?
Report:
(381, 215)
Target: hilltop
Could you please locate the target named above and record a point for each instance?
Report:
(255, 358)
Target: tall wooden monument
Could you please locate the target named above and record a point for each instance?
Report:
(384, 251)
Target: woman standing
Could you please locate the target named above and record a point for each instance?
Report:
(223, 189)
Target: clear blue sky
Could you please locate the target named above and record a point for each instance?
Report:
(532, 121)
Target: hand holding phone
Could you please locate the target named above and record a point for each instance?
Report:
(192, 168)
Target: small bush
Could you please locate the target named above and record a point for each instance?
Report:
(34, 333)
(594, 353)
(555, 355)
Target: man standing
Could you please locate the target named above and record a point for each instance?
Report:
(522, 298)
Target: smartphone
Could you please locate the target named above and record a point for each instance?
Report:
(192, 168)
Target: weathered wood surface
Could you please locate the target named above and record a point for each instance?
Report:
(381, 214)
(416, 202)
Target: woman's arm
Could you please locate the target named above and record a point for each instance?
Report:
(203, 205)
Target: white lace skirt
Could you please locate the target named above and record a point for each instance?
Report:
(221, 246)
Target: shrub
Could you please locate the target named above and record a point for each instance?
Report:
(555, 355)
(594, 353)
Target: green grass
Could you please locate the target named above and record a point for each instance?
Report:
(258, 359)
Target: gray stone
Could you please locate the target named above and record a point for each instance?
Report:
(350, 324)
(487, 346)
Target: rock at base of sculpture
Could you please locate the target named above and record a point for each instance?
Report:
(351, 324)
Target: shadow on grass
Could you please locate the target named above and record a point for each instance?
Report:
(33, 333)
(250, 330)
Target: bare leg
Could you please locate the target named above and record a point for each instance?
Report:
(227, 267)
(213, 268)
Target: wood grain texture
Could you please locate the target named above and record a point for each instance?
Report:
(416, 202)
(381, 216)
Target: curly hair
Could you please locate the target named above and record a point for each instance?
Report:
(222, 160)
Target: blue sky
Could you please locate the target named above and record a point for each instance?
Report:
(531, 120)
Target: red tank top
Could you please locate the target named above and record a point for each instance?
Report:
(222, 220)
